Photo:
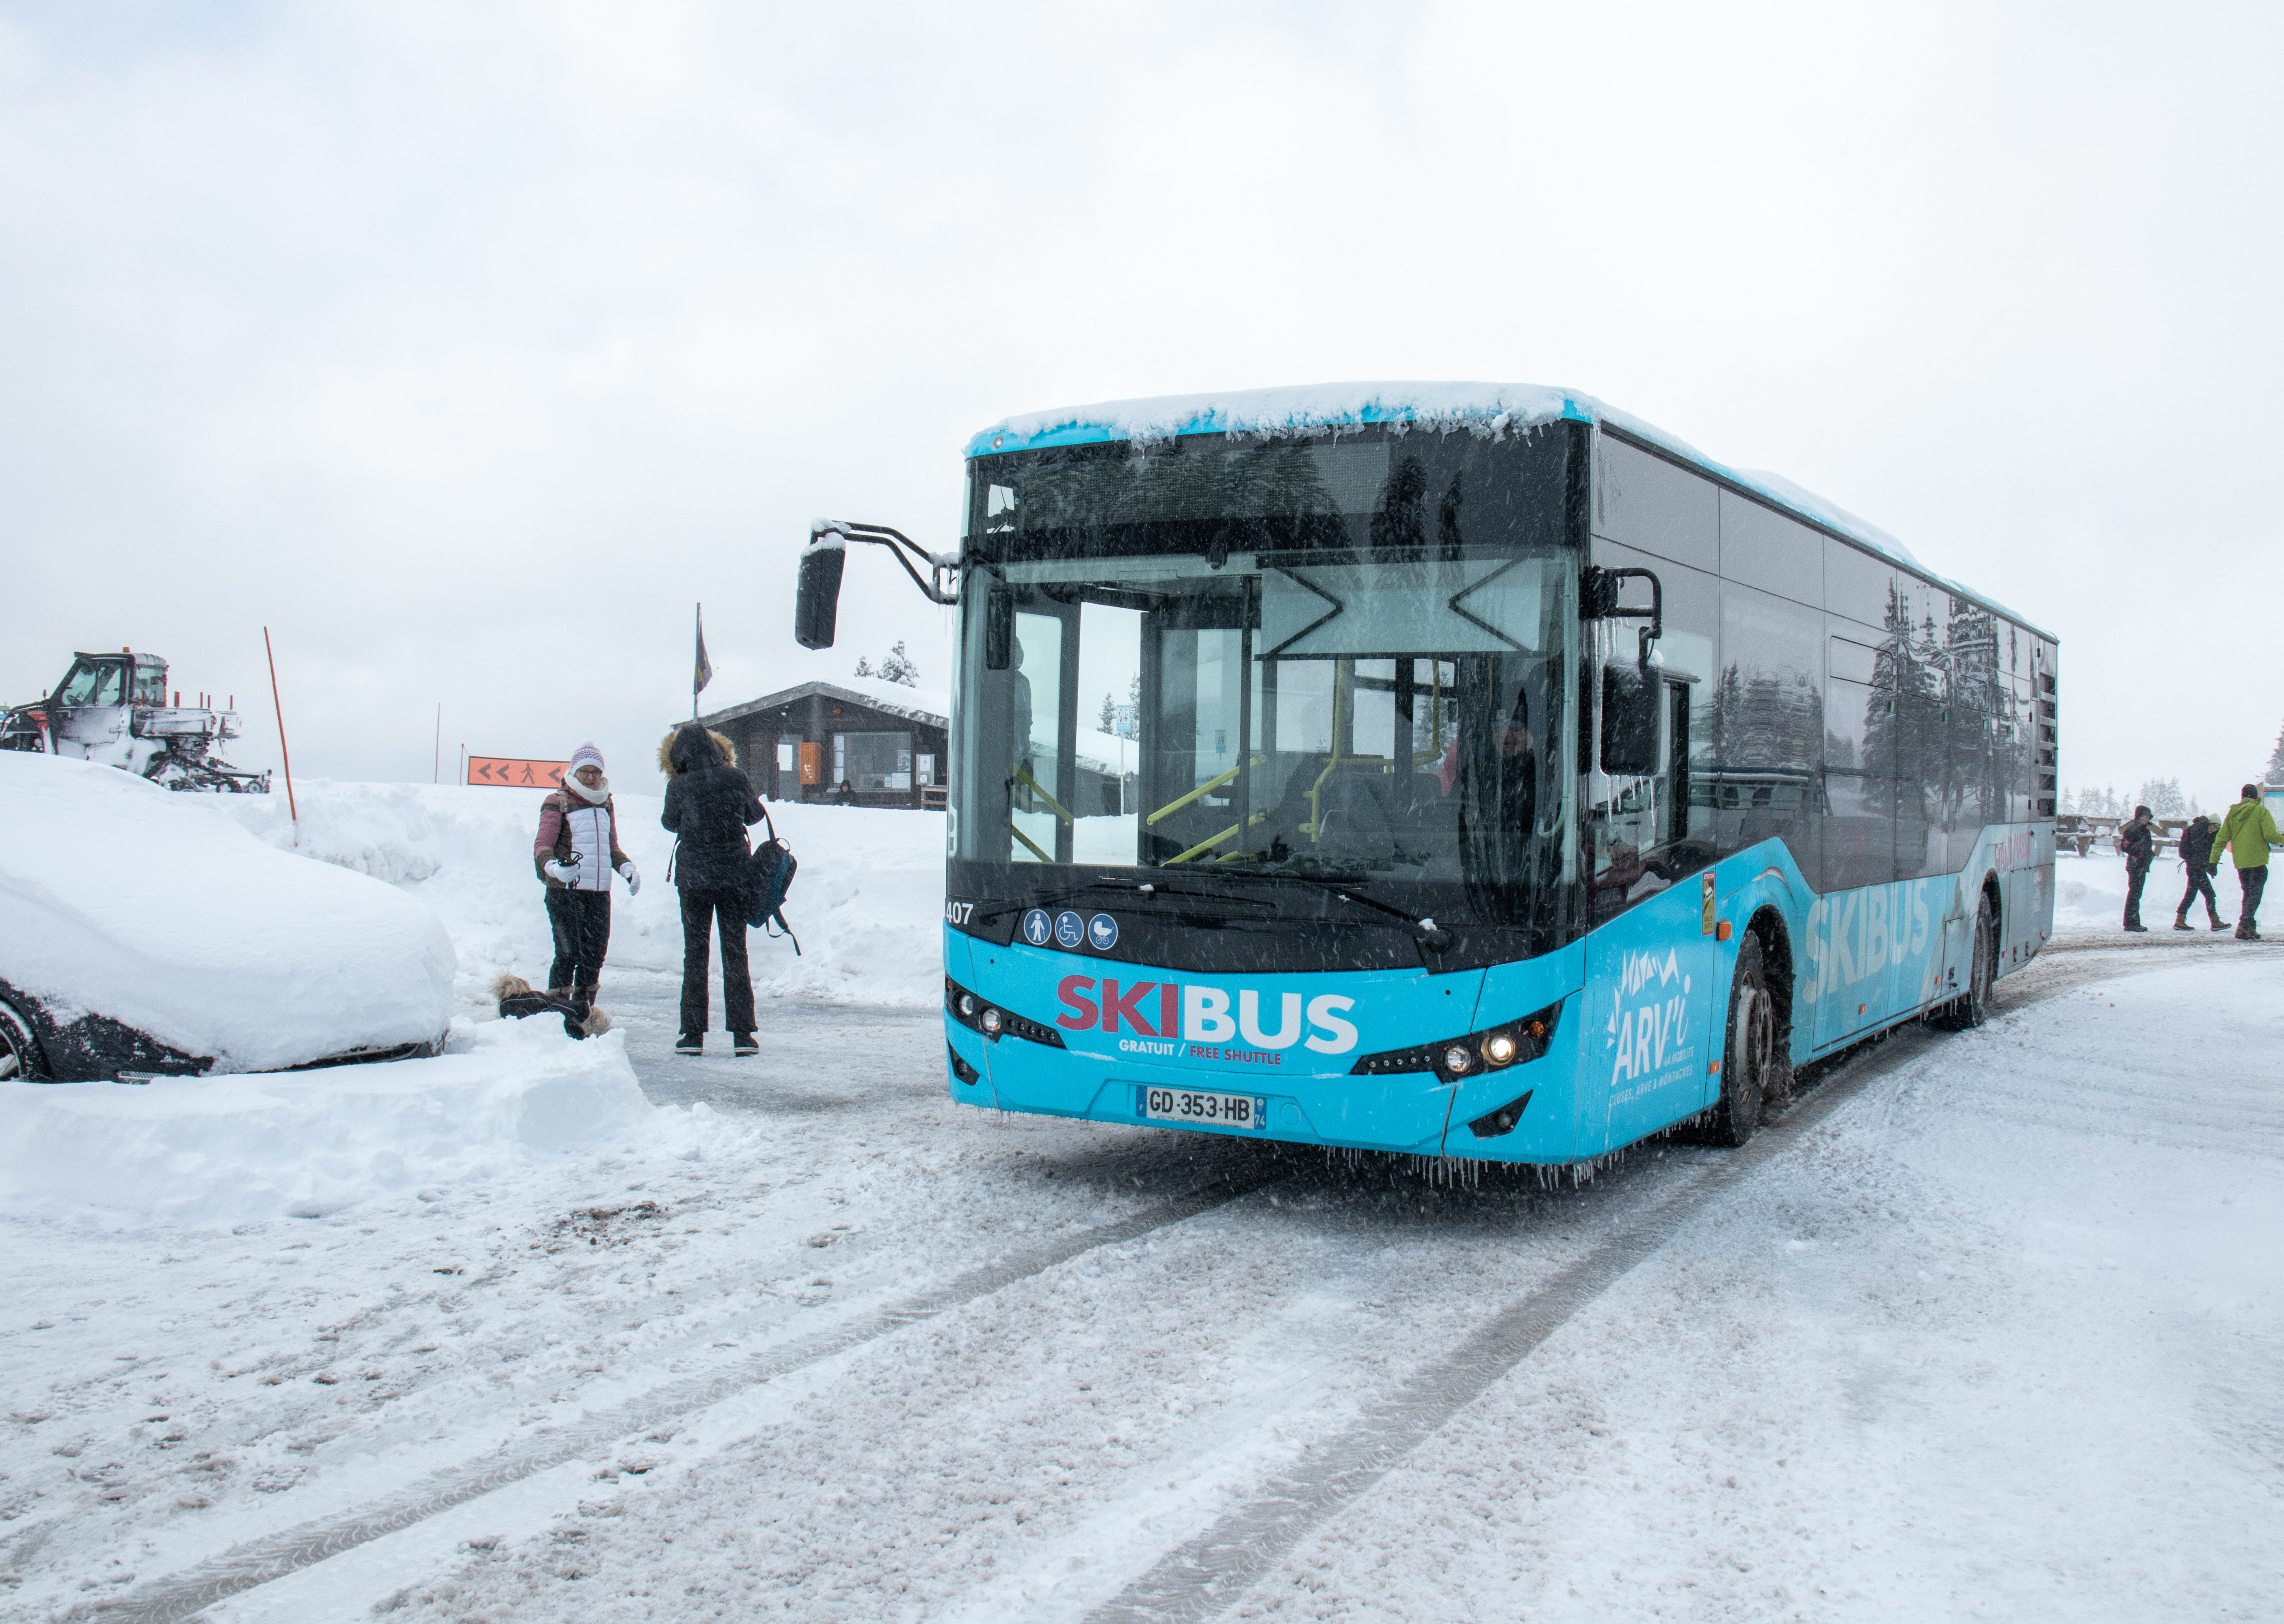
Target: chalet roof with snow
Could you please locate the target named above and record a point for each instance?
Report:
(919, 705)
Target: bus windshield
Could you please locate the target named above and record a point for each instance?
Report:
(1349, 702)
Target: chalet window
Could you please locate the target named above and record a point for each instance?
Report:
(873, 762)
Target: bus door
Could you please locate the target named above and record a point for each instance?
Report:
(1026, 757)
(1198, 762)
(1650, 964)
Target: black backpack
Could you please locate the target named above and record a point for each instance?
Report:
(769, 876)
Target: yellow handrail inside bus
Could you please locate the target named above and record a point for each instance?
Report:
(1023, 776)
(1210, 844)
(1026, 840)
(1210, 784)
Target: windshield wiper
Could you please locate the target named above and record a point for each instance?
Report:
(1151, 887)
(1432, 934)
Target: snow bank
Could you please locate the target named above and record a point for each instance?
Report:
(867, 904)
(508, 1096)
(2090, 895)
(121, 898)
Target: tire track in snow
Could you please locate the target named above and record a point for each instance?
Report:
(1206, 1575)
(181, 1596)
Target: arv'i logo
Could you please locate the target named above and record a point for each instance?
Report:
(1645, 1035)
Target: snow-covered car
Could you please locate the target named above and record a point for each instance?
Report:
(144, 934)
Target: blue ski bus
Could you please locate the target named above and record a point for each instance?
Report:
(1464, 771)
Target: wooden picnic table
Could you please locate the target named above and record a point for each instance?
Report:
(2080, 831)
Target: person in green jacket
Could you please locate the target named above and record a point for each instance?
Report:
(2247, 832)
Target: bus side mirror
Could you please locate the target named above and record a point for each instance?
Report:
(1598, 600)
(998, 629)
(817, 596)
(1630, 717)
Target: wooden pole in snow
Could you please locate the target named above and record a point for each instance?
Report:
(285, 760)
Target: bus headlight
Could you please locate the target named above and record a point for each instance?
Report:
(993, 1022)
(1512, 1043)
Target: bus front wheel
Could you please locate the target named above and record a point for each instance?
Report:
(1750, 1050)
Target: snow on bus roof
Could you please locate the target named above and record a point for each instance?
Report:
(1481, 408)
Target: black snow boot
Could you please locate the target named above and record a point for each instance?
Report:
(689, 1043)
(742, 1043)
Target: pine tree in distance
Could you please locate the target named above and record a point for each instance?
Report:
(2275, 773)
(895, 666)
(898, 667)
(2163, 797)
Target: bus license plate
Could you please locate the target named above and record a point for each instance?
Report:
(1185, 1105)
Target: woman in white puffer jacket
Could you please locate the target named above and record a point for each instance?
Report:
(575, 854)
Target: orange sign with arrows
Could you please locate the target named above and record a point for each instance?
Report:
(514, 772)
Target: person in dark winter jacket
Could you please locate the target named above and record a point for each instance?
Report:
(2138, 845)
(576, 853)
(708, 805)
(2197, 858)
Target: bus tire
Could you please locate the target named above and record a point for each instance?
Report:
(1972, 1007)
(1749, 1051)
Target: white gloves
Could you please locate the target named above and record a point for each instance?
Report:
(567, 873)
(633, 877)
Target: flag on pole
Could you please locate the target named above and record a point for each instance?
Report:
(703, 672)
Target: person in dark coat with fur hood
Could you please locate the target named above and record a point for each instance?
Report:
(708, 805)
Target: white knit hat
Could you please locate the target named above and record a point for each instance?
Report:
(586, 755)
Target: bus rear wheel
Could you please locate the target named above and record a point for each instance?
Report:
(1750, 1053)
(1972, 1007)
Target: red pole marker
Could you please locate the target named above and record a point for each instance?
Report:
(285, 760)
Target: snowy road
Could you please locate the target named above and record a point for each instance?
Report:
(1988, 1326)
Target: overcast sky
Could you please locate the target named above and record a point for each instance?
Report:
(465, 346)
